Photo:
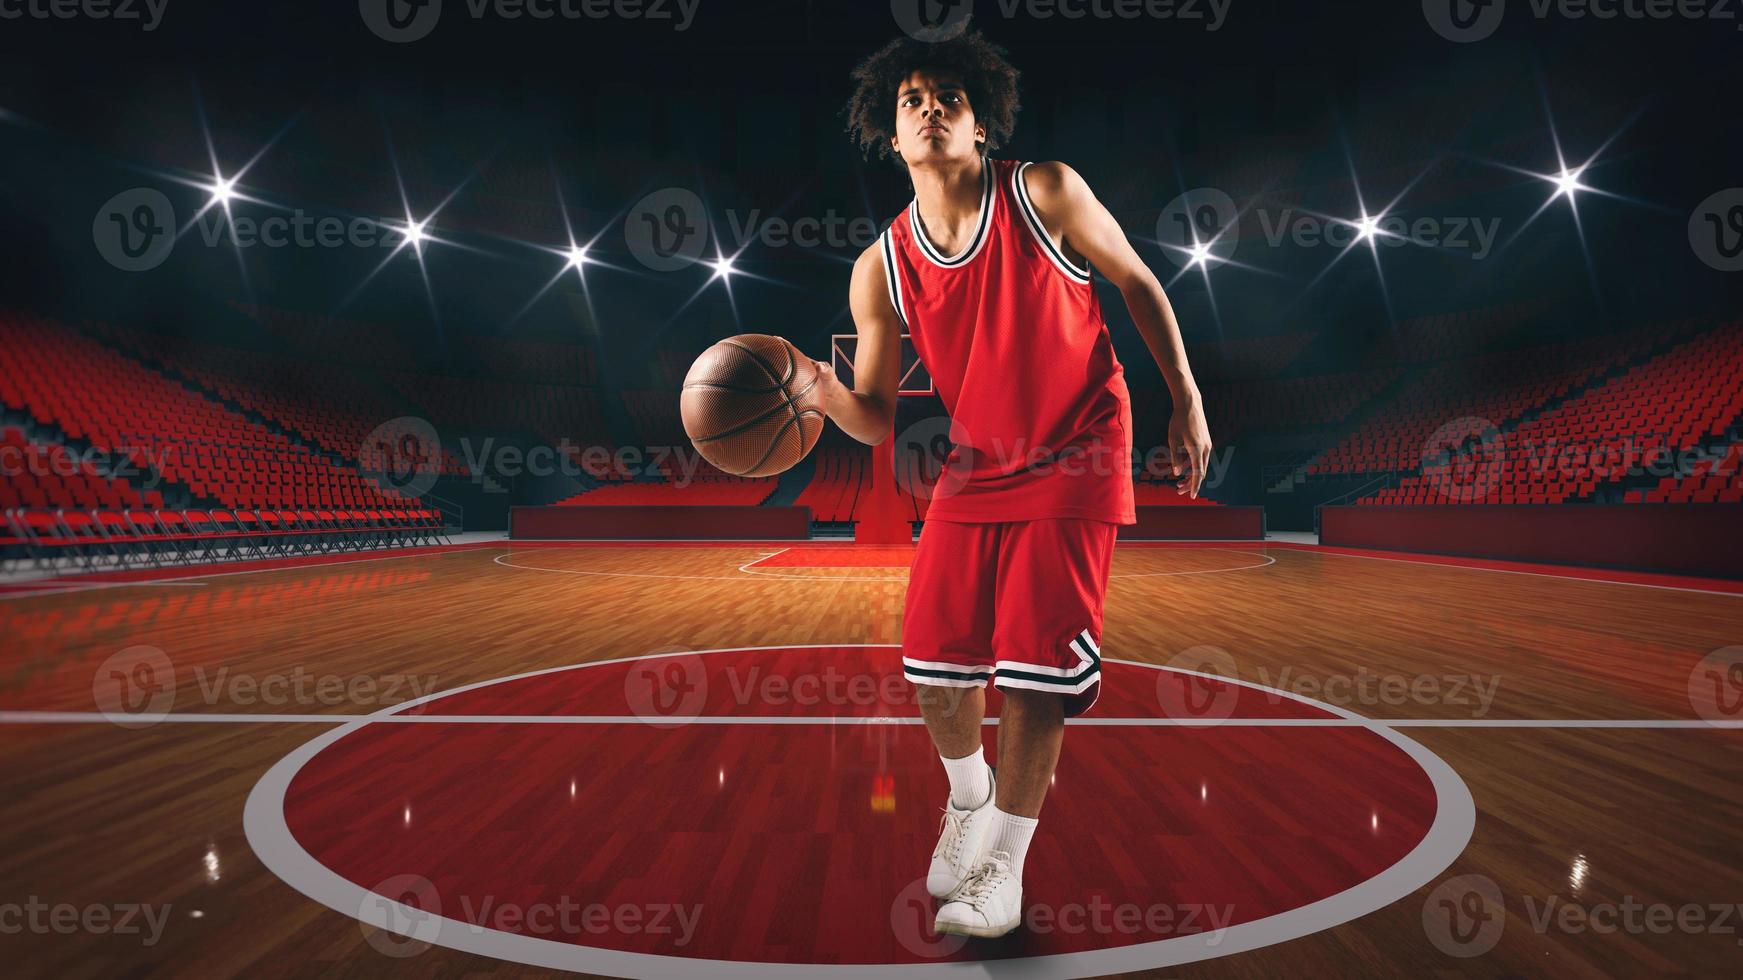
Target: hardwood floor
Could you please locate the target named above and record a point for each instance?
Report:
(1611, 850)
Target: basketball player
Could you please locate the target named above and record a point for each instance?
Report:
(991, 269)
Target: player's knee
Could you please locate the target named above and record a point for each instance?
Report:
(1036, 706)
(944, 699)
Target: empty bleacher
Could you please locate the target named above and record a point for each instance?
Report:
(1675, 402)
(247, 488)
(1498, 388)
(324, 404)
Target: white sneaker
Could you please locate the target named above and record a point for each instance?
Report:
(962, 834)
(989, 904)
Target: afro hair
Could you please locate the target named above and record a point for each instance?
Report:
(986, 75)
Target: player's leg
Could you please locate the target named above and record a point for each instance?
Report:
(1031, 731)
(947, 654)
(1053, 579)
(953, 718)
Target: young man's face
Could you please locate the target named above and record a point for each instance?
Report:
(934, 121)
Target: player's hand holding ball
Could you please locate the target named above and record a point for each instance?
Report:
(753, 404)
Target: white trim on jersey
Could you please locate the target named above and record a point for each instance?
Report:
(988, 205)
(892, 280)
(1078, 274)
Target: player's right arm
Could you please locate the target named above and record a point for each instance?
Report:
(868, 411)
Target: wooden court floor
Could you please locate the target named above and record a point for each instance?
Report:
(1597, 726)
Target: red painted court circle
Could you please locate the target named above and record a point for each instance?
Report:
(770, 811)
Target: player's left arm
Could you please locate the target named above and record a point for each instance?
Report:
(1069, 210)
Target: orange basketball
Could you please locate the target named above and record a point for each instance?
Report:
(751, 405)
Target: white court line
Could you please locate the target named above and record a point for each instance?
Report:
(746, 569)
(1271, 560)
(663, 721)
(185, 579)
(278, 849)
(48, 588)
(1454, 563)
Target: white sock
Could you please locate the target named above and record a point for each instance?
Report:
(1011, 833)
(970, 782)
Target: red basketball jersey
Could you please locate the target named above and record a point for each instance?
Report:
(1012, 334)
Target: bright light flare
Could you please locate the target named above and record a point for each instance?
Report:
(1568, 182)
(223, 190)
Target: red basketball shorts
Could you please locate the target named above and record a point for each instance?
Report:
(1019, 604)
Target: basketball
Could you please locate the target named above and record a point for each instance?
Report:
(751, 405)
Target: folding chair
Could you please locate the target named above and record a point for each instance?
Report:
(239, 541)
(45, 540)
(203, 532)
(13, 547)
(176, 528)
(150, 533)
(122, 539)
(88, 536)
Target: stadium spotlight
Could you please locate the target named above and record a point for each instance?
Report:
(577, 256)
(223, 190)
(1568, 182)
(414, 233)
